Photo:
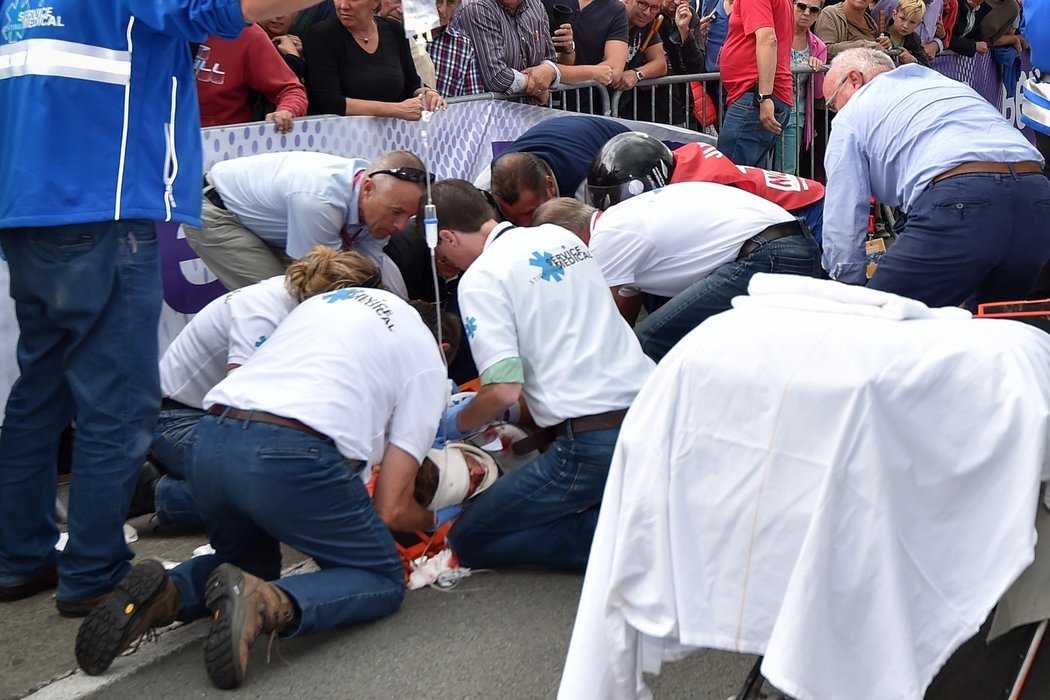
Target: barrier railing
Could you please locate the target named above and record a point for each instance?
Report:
(578, 97)
(667, 101)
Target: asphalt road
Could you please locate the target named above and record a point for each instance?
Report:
(498, 635)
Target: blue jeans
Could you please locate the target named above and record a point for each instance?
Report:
(171, 442)
(970, 238)
(742, 137)
(88, 301)
(544, 512)
(813, 215)
(258, 485)
(662, 329)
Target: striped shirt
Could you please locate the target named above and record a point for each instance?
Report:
(505, 43)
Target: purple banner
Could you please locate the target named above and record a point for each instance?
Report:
(984, 74)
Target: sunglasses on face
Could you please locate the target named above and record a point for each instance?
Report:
(807, 9)
(407, 174)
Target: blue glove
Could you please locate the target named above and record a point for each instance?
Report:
(450, 423)
(445, 514)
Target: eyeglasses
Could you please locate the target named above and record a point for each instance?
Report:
(807, 9)
(830, 99)
(646, 6)
(407, 174)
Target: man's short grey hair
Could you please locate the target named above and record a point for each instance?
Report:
(392, 160)
(867, 62)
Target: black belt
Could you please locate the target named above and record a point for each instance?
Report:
(171, 404)
(768, 235)
(264, 417)
(540, 439)
(212, 195)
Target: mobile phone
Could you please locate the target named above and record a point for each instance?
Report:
(710, 17)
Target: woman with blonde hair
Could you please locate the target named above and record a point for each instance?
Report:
(220, 338)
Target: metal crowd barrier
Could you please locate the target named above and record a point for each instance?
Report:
(579, 97)
(669, 101)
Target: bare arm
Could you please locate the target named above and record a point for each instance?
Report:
(629, 307)
(393, 494)
(766, 55)
(490, 404)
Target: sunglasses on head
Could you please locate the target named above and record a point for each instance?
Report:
(804, 8)
(407, 174)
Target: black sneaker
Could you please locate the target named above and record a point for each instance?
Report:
(146, 598)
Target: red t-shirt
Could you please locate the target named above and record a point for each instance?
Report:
(232, 67)
(697, 162)
(738, 63)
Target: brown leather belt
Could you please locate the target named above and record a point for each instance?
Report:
(263, 417)
(540, 439)
(768, 235)
(1023, 167)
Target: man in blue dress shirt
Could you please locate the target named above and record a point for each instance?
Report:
(970, 185)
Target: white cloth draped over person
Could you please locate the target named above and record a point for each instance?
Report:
(850, 497)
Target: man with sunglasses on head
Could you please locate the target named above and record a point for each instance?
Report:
(974, 198)
(262, 212)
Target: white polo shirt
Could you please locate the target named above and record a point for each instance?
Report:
(295, 200)
(355, 364)
(226, 331)
(661, 242)
(537, 294)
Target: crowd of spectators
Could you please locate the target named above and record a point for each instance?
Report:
(351, 57)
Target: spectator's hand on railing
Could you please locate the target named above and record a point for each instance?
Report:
(931, 48)
(538, 82)
(768, 118)
(884, 42)
(409, 110)
(563, 39)
(282, 119)
(981, 46)
(602, 73)
(627, 80)
(815, 63)
(905, 57)
(432, 100)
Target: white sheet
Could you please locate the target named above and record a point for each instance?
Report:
(848, 495)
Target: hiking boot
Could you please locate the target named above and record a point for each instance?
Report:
(242, 606)
(78, 608)
(146, 598)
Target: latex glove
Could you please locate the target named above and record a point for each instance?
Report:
(450, 422)
(443, 515)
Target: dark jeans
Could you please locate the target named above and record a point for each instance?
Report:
(258, 485)
(742, 137)
(88, 301)
(542, 513)
(176, 431)
(971, 239)
(713, 294)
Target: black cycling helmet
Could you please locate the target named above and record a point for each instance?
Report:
(628, 164)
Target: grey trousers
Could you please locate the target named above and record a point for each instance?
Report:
(233, 252)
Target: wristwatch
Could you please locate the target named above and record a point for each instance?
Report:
(763, 98)
(638, 74)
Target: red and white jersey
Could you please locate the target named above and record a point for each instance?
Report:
(698, 162)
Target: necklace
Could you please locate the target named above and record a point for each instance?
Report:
(368, 37)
